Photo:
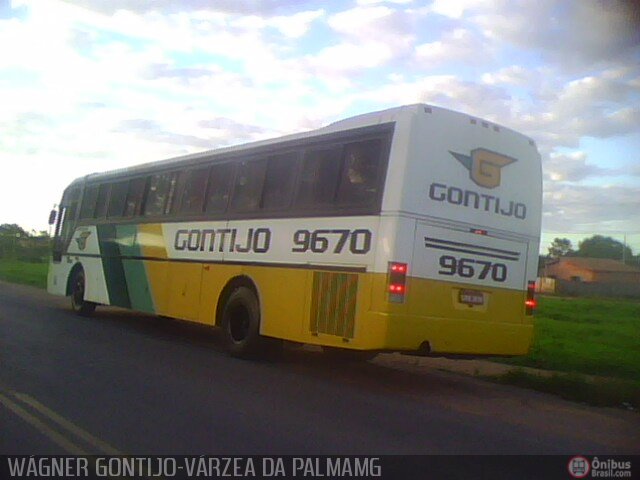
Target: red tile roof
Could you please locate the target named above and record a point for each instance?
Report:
(598, 264)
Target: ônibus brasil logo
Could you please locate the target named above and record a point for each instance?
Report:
(579, 467)
(484, 166)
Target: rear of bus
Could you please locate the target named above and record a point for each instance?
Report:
(459, 237)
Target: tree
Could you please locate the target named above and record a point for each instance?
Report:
(560, 247)
(9, 235)
(18, 243)
(599, 246)
(12, 230)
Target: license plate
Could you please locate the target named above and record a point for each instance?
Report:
(471, 297)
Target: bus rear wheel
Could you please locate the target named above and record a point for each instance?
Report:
(241, 324)
(78, 304)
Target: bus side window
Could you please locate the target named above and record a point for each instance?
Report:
(161, 187)
(89, 200)
(320, 175)
(220, 179)
(102, 201)
(134, 196)
(193, 183)
(360, 173)
(247, 190)
(118, 198)
(279, 180)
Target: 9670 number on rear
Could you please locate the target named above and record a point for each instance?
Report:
(472, 268)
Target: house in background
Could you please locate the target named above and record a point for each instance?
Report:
(597, 270)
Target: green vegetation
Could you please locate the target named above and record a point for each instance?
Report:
(24, 255)
(27, 273)
(17, 243)
(596, 246)
(585, 336)
(592, 345)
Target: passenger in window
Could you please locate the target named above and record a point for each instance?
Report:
(354, 174)
(361, 163)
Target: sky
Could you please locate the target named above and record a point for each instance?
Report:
(93, 85)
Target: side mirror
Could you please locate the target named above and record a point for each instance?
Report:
(52, 216)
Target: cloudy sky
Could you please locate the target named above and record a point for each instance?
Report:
(91, 85)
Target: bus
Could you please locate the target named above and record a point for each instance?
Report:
(414, 229)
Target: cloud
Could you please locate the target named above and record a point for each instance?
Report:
(455, 8)
(448, 91)
(458, 45)
(572, 167)
(296, 25)
(590, 106)
(514, 75)
(216, 132)
(574, 35)
(371, 36)
(9, 10)
(232, 128)
(376, 2)
(236, 7)
(590, 209)
(380, 22)
(97, 85)
(166, 70)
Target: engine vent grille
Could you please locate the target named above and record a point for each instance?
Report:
(333, 305)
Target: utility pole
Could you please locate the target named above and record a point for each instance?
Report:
(624, 249)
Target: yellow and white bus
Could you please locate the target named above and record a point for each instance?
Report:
(412, 229)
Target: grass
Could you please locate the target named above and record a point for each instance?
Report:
(579, 338)
(575, 337)
(26, 273)
(589, 336)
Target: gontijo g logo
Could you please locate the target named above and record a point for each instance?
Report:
(82, 239)
(484, 166)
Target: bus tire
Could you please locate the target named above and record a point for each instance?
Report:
(78, 304)
(241, 324)
(347, 355)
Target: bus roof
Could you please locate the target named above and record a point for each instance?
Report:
(373, 118)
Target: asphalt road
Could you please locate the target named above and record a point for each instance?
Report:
(123, 382)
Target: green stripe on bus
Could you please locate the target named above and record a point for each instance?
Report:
(112, 266)
(134, 270)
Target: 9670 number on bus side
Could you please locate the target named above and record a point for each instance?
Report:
(334, 241)
(472, 268)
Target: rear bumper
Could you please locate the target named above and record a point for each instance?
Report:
(445, 335)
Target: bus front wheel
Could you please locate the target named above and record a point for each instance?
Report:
(78, 303)
(241, 324)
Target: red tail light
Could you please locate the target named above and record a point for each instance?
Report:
(397, 277)
(530, 303)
